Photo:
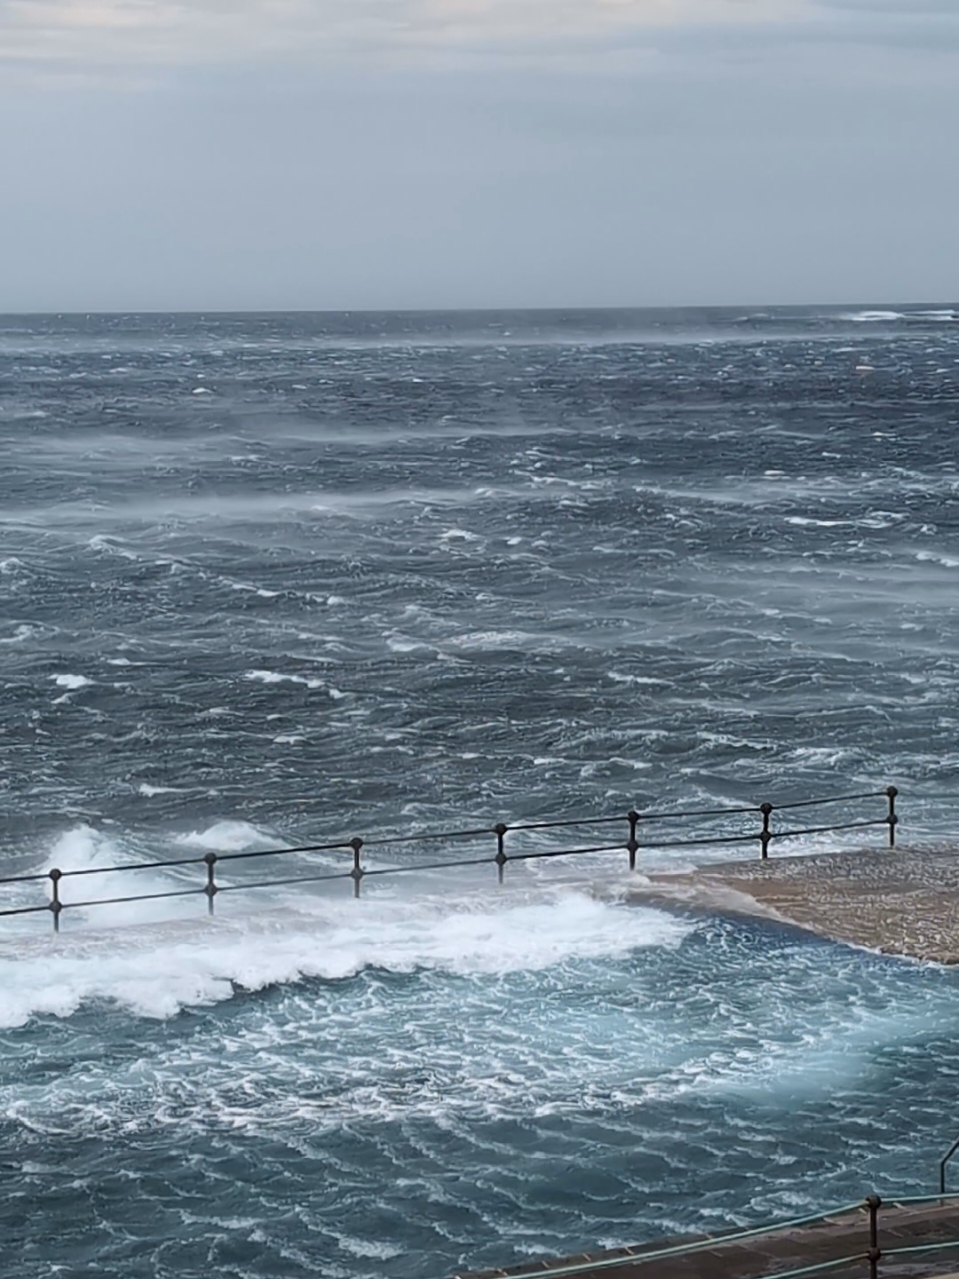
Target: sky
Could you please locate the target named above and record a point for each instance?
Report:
(381, 154)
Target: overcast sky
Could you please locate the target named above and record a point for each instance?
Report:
(346, 154)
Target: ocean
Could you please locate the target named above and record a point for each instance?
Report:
(278, 580)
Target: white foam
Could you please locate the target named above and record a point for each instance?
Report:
(493, 640)
(804, 521)
(274, 677)
(936, 557)
(367, 1248)
(100, 542)
(71, 681)
(228, 837)
(23, 632)
(88, 851)
(397, 642)
(254, 590)
(155, 971)
(458, 535)
(874, 317)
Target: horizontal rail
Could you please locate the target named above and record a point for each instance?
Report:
(25, 910)
(108, 870)
(833, 799)
(819, 830)
(409, 870)
(699, 812)
(921, 1247)
(283, 852)
(579, 821)
(448, 834)
(135, 897)
(564, 852)
(635, 823)
(275, 883)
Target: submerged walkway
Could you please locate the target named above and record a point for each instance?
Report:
(931, 1228)
(901, 902)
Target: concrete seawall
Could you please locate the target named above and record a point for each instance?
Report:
(898, 901)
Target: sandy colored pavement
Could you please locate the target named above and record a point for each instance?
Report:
(901, 902)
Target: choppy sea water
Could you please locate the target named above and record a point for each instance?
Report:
(283, 579)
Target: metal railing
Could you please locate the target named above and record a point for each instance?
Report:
(870, 1254)
(942, 1165)
(635, 823)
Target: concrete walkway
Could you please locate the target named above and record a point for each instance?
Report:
(775, 1251)
(902, 901)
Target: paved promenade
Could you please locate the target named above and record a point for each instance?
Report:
(902, 901)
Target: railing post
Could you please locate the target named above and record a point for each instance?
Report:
(873, 1203)
(765, 834)
(56, 905)
(892, 819)
(501, 859)
(210, 888)
(356, 874)
(942, 1165)
(632, 843)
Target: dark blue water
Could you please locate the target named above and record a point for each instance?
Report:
(271, 579)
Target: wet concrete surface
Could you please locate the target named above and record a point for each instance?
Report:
(898, 901)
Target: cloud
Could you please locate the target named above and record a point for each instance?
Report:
(131, 43)
(131, 33)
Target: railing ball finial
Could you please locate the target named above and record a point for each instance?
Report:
(56, 905)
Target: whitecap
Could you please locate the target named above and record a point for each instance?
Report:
(874, 317)
(71, 682)
(228, 836)
(803, 521)
(936, 557)
(458, 535)
(23, 632)
(274, 677)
